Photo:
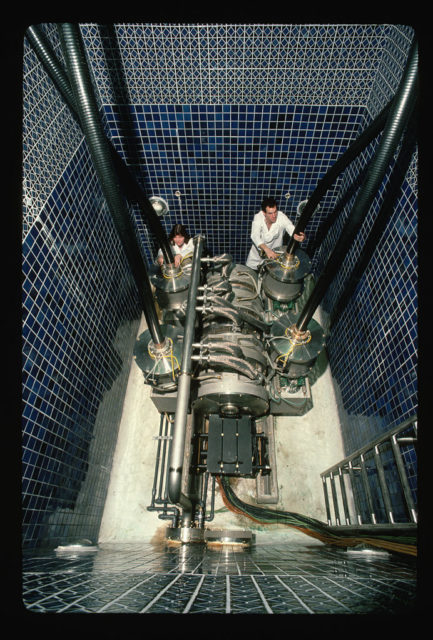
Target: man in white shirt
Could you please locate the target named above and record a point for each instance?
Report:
(267, 232)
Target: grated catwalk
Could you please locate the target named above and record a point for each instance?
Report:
(263, 580)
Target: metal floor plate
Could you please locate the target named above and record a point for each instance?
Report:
(194, 579)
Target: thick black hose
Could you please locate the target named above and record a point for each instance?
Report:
(353, 151)
(133, 191)
(397, 120)
(395, 183)
(333, 215)
(85, 102)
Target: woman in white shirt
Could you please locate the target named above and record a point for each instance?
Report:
(267, 232)
(181, 242)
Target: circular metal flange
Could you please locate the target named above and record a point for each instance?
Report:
(284, 278)
(171, 286)
(295, 352)
(180, 535)
(231, 395)
(227, 537)
(291, 269)
(160, 364)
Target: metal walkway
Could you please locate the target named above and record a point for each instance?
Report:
(267, 579)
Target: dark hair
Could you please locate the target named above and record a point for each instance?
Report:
(268, 202)
(179, 230)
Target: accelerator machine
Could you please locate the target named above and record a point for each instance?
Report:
(231, 359)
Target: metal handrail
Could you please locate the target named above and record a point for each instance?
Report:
(346, 466)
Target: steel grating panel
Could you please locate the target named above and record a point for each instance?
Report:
(262, 580)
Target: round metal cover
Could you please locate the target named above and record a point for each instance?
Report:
(164, 365)
(295, 272)
(300, 353)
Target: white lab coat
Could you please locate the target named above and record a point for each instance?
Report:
(272, 238)
(187, 247)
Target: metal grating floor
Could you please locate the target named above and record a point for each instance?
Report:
(195, 579)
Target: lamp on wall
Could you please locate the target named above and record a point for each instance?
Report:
(159, 204)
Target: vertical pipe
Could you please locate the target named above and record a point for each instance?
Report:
(183, 389)
(367, 489)
(87, 108)
(354, 493)
(325, 493)
(344, 496)
(403, 479)
(335, 499)
(395, 184)
(383, 485)
(397, 120)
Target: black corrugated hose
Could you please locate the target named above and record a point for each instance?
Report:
(133, 191)
(81, 85)
(352, 152)
(398, 117)
(395, 183)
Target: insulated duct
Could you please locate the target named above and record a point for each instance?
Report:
(84, 99)
(397, 120)
(374, 128)
(394, 186)
(133, 191)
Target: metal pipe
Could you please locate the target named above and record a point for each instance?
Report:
(403, 479)
(397, 120)
(85, 101)
(184, 383)
(133, 190)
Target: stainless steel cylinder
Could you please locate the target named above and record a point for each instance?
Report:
(171, 286)
(284, 277)
(231, 395)
(180, 419)
(160, 365)
(293, 352)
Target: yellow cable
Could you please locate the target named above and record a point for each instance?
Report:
(188, 255)
(173, 276)
(288, 267)
(170, 355)
(293, 345)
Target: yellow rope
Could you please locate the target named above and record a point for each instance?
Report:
(188, 255)
(293, 345)
(169, 356)
(288, 267)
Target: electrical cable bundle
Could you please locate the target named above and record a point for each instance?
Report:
(313, 527)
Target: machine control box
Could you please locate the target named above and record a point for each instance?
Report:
(230, 446)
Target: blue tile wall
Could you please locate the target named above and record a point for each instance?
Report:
(80, 317)
(210, 117)
(224, 158)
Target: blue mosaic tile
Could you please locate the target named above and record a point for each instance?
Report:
(215, 117)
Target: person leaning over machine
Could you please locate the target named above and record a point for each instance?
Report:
(181, 242)
(267, 231)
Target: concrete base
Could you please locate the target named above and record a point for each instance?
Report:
(305, 445)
